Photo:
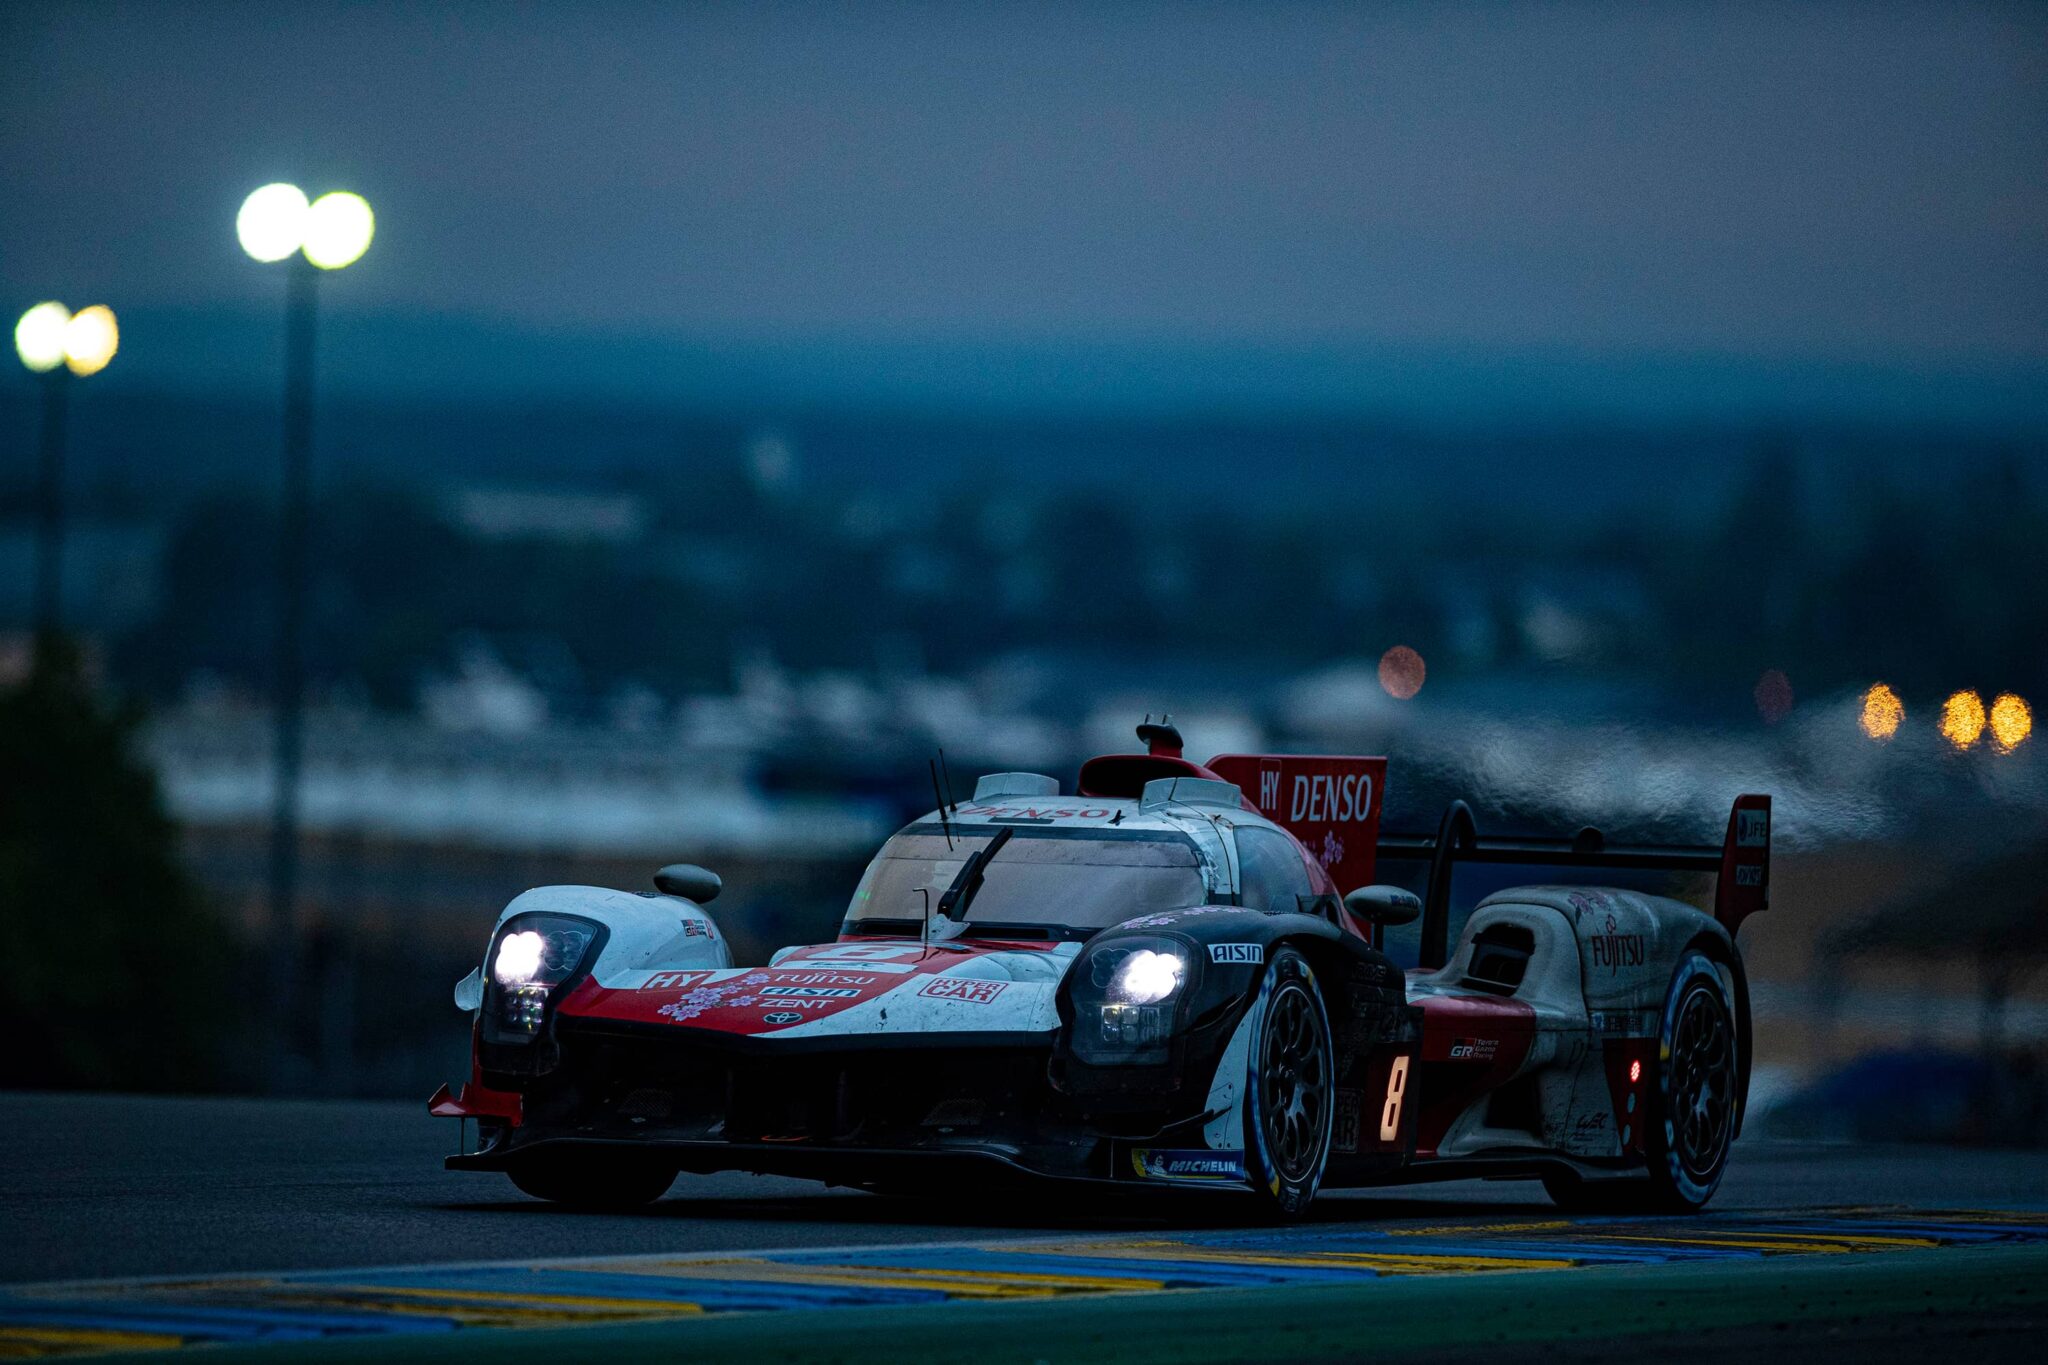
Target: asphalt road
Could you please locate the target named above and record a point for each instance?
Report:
(94, 1186)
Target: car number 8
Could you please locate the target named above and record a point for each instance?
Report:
(1397, 1086)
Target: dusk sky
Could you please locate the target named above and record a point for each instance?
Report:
(1334, 191)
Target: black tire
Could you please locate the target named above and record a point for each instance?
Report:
(594, 1184)
(1290, 1088)
(1691, 1111)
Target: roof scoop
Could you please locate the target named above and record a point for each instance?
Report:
(995, 786)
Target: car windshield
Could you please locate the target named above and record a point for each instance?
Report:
(1069, 879)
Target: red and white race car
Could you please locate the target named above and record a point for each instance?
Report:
(1157, 978)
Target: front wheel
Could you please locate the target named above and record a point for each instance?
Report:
(581, 1181)
(1291, 1086)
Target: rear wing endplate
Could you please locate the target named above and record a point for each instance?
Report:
(1741, 864)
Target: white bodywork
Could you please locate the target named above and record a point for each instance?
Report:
(652, 933)
(1600, 967)
(654, 936)
(648, 931)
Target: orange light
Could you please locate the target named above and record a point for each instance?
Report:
(1773, 696)
(90, 340)
(2012, 720)
(1882, 712)
(1962, 719)
(1402, 672)
(1635, 1071)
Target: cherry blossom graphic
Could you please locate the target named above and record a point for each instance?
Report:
(1332, 851)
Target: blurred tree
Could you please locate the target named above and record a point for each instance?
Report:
(1732, 602)
(115, 974)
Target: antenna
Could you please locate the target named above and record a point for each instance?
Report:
(947, 773)
(944, 823)
(1161, 738)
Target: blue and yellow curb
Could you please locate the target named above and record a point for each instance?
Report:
(298, 1307)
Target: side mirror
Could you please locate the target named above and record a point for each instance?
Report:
(1384, 905)
(691, 882)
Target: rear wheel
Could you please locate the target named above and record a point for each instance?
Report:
(1691, 1119)
(1292, 1089)
(599, 1184)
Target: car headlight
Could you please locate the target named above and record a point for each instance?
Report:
(533, 958)
(1126, 999)
(1146, 977)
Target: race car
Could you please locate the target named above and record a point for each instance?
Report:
(1175, 975)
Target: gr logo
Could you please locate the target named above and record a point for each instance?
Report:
(1246, 953)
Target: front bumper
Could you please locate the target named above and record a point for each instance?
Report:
(836, 1111)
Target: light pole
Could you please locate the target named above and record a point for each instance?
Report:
(276, 223)
(56, 343)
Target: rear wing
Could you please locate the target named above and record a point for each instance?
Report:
(1741, 864)
(1330, 802)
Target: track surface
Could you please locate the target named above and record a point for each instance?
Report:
(95, 1186)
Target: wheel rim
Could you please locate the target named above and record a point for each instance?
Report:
(1702, 1084)
(1294, 1084)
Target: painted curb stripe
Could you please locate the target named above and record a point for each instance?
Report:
(129, 1315)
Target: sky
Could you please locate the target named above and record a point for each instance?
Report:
(1844, 205)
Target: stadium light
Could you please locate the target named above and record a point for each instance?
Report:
(338, 230)
(90, 340)
(56, 343)
(2012, 720)
(332, 231)
(1882, 714)
(1962, 719)
(39, 336)
(277, 223)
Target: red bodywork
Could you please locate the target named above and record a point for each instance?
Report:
(477, 1100)
(1471, 1045)
(1331, 804)
(808, 985)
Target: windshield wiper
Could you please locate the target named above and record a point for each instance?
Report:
(953, 905)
